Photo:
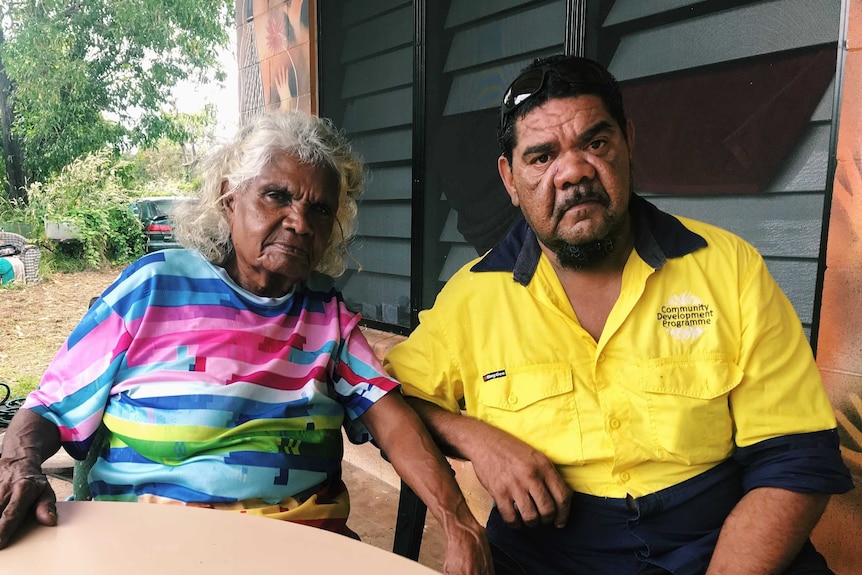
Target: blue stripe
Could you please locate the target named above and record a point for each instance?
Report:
(360, 368)
(208, 475)
(357, 404)
(212, 411)
(125, 455)
(274, 461)
(83, 403)
(100, 489)
(284, 461)
(304, 357)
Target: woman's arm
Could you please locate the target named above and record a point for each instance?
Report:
(401, 435)
(29, 441)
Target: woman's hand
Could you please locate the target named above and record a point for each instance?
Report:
(29, 441)
(21, 489)
(400, 434)
(467, 550)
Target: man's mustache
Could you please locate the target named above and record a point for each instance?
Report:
(583, 194)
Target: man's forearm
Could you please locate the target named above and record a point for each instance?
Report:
(30, 438)
(765, 531)
(455, 434)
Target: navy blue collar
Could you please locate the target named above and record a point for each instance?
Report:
(658, 237)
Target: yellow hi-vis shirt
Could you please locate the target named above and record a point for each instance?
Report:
(701, 353)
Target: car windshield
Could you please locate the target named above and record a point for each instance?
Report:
(166, 206)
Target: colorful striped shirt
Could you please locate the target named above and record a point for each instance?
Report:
(211, 395)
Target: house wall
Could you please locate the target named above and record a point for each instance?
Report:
(839, 349)
(783, 218)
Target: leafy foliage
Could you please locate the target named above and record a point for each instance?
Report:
(12, 210)
(74, 64)
(93, 195)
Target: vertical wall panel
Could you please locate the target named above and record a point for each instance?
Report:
(368, 73)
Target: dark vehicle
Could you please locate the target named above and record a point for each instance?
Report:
(155, 215)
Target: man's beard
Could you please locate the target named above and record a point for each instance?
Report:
(583, 256)
(588, 254)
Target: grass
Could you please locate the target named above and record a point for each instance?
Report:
(12, 286)
(62, 257)
(20, 385)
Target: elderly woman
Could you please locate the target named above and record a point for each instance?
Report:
(223, 372)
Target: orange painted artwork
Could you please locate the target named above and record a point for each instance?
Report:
(282, 40)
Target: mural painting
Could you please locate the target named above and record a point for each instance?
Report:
(276, 56)
(839, 348)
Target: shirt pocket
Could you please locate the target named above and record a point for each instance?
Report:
(536, 404)
(689, 407)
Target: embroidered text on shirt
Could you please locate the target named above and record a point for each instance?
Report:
(685, 316)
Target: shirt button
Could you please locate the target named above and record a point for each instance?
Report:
(615, 424)
(624, 476)
(513, 399)
(601, 357)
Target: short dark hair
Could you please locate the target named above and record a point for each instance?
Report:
(555, 77)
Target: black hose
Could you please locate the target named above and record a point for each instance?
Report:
(8, 407)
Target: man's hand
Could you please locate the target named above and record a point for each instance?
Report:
(21, 489)
(524, 483)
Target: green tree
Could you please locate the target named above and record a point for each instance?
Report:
(83, 74)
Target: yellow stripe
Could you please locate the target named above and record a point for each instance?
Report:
(200, 433)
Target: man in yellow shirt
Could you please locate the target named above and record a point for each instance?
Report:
(639, 393)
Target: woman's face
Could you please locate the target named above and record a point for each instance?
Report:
(280, 223)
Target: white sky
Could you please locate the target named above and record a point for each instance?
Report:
(191, 98)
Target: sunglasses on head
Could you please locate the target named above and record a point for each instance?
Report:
(575, 70)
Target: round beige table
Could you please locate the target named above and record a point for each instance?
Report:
(103, 538)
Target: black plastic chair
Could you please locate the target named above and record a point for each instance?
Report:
(409, 524)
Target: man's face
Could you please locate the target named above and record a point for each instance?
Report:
(280, 224)
(570, 174)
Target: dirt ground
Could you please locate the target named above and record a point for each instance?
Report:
(36, 319)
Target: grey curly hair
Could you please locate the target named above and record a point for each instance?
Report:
(202, 225)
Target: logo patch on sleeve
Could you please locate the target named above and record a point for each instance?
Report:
(494, 375)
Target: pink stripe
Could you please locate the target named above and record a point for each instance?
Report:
(83, 430)
(71, 371)
(162, 322)
(271, 381)
(239, 346)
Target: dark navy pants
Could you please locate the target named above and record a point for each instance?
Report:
(672, 531)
